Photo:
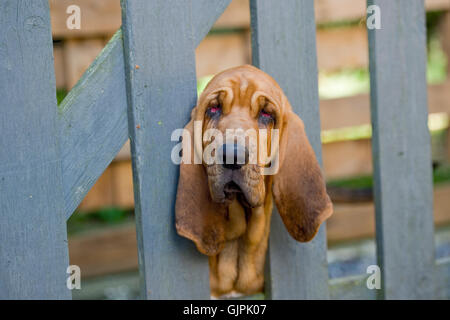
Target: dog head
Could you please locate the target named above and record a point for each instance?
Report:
(245, 138)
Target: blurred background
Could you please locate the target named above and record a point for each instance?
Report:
(102, 237)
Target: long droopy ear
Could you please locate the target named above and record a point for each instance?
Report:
(198, 218)
(299, 189)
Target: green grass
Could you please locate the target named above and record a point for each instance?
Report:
(437, 62)
(106, 216)
(60, 95)
(352, 183)
(441, 174)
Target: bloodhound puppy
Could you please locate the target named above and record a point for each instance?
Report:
(225, 206)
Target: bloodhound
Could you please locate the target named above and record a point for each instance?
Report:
(225, 207)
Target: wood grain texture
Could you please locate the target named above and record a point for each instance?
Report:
(284, 46)
(105, 251)
(93, 119)
(33, 240)
(93, 123)
(161, 83)
(401, 150)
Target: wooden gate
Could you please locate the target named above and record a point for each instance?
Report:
(143, 86)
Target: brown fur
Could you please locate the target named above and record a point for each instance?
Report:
(234, 234)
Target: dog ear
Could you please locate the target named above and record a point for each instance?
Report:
(299, 189)
(198, 218)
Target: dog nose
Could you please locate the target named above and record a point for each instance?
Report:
(234, 156)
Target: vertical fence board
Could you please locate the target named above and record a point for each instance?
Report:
(33, 240)
(401, 150)
(160, 64)
(284, 45)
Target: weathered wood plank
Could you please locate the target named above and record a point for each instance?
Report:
(161, 83)
(93, 123)
(33, 240)
(105, 251)
(401, 150)
(284, 46)
(93, 120)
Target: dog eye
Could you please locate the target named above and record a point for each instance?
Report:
(266, 117)
(214, 110)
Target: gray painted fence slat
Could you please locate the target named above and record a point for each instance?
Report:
(161, 84)
(93, 123)
(401, 150)
(92, 119)
(33, 240)
(284, 45)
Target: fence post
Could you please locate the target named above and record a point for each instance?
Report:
(401, 150)
(284, 45)
(159, 43)
(33, 240)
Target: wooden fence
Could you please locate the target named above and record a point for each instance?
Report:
(143, 85)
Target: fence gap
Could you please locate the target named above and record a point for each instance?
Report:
(284, 46)
(33, 239)
(401, 150)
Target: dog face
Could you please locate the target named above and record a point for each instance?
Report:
(238, 101)
(238, 112)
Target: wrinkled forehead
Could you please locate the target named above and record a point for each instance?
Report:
(240, 85)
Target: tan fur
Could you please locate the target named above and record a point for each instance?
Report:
(234, 236)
